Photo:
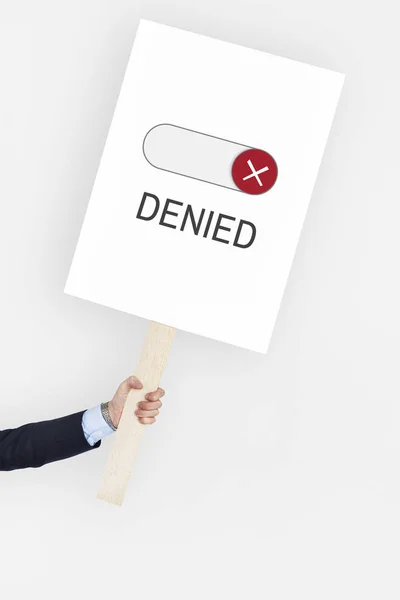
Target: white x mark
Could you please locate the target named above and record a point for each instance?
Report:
(255, 173)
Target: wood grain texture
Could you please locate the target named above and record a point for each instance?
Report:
(120, 462)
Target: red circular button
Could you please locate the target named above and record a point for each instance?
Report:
(254, 171)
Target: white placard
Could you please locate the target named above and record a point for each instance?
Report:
(204, 184)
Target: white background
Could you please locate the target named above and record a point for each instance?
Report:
(266, 476)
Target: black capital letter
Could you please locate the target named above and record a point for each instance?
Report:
(196, 226)
(252, 238)
(155, 211)
(218, 226)
(166, 212)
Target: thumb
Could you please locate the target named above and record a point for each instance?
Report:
(133, 382)
(126, 386)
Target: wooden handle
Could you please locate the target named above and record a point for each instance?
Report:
(120, 462)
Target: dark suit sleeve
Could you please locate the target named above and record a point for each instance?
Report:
(37, 444)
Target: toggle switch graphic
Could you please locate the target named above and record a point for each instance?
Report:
(210, 159)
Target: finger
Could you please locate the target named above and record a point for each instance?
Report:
(147, 413)
(150, 405)
(147, 420)
(135, 383)
(152, 396)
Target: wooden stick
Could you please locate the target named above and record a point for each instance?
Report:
(120, 462)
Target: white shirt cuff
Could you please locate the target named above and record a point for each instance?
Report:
(94, 426)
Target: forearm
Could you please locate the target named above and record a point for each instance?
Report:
(36, 444)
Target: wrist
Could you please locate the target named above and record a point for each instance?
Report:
(109, 415)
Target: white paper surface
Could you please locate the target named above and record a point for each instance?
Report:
(189, 281)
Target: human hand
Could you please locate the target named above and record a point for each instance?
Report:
(147, 410)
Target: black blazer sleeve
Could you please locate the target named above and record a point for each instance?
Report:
(37, 444)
